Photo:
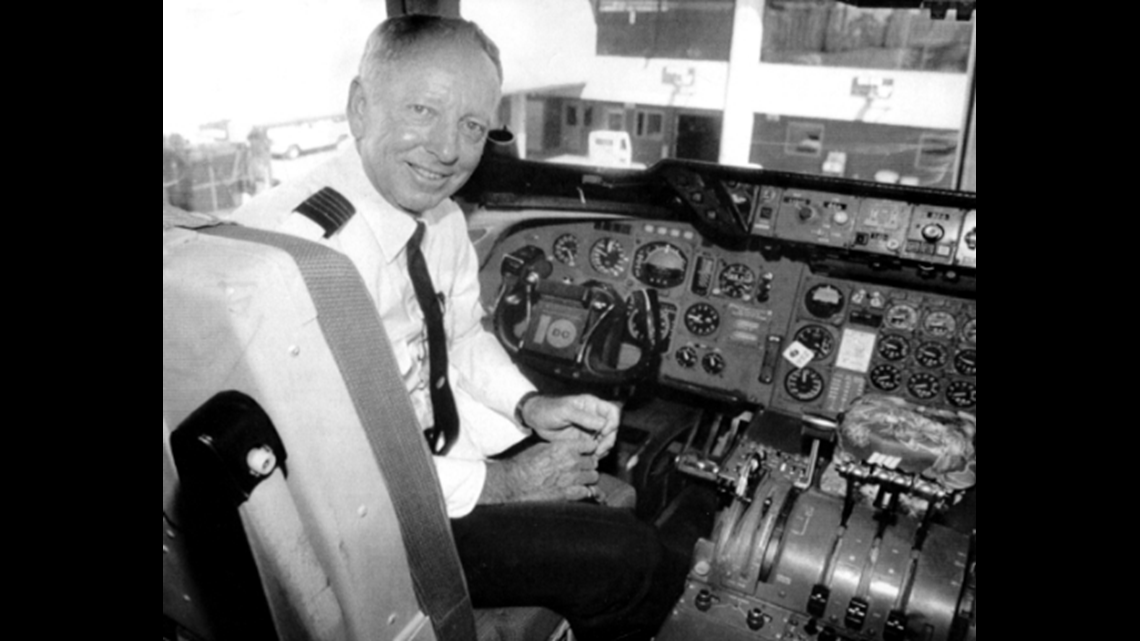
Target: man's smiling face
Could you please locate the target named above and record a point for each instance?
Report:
(421, 125)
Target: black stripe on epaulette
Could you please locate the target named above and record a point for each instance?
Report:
(328, 209)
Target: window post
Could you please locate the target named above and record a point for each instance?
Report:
(747, 34)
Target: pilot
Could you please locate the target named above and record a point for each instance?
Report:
(420, 111)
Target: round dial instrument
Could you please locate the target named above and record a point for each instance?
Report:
(931, 355)
(886, 377)
(902, 317)
(962, 394)
(966, 362)
(660, 265)
(924, 386)
(608, 257)
(737, 281)
(714, 363)
(804, 385)
(566, 250)
(702, 319)
(825, 301)
(818, 339)
(971, 332)
(894, 348)
(940, 324)
(687, 357)
(665, 322)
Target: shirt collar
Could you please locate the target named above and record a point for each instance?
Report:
(391, 227)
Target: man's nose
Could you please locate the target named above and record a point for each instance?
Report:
(444, 142)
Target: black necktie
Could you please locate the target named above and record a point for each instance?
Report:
(441, 436)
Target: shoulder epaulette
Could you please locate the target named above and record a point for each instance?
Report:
(329, 209)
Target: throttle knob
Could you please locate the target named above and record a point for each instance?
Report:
(756, 620)
(704, 601)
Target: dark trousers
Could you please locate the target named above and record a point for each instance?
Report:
(599, 567)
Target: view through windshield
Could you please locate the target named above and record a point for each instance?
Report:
(254, 90)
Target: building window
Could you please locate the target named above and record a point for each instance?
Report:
(650, 124)
(615, 120)
(681, 29)
(833, 34)
(588, 117)
(571, 115)
(804, 139)
(857, 150)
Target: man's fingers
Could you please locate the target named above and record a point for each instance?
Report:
(582, 445)
(588, 478)
(587, 463)
(585, 418)
(579, 493)
(607, 444)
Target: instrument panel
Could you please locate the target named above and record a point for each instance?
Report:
(744, 326)
(902, 227)
(767, 331)
(849, 338)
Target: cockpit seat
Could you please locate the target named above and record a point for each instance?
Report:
(238, 316)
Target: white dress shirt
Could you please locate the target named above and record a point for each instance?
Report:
(486, 384)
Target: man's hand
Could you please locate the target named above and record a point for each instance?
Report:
(560, 471)
(569, 418)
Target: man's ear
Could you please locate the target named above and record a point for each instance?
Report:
(357, 110)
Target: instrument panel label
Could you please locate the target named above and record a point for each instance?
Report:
(856, 351)
(799, 355)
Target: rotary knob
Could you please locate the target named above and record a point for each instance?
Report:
(687, 357)
(933, 233)
(714, 364)
(806, 213)
(841, 218)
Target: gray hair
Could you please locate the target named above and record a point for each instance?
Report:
(398, 38)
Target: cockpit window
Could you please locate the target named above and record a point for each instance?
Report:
(828, 33)
(253, 90)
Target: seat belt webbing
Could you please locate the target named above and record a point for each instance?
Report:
(351, 327)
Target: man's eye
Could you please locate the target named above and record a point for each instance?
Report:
(420, 110)
(475, 130)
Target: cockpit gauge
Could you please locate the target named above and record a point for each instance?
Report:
(962, 394)
(660, 265)
(714, 363)
(737, 281)
(825, 301)
(687, 357)
(902, 317)
(818, 339)
(966, 362)
(566, 250)
(665, 323)
(804, 385)
(931, 355)
(702, 319)
(608, 257)
(971, 332)
(887, 378)
(924, 386)
(940, 324)
(894, 348)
